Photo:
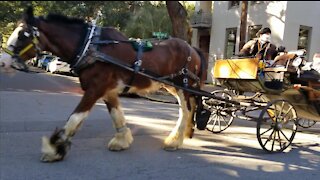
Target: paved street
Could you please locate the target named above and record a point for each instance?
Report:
(33, 105)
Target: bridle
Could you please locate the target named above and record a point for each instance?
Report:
(18, 54)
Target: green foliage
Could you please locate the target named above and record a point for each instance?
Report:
(189, 7)
(118, 13)
(136, 19)
(150, 18)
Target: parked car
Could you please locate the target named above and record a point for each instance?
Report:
(56, 65)
(43, 62)
(33, 61)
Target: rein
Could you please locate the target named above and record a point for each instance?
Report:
(109, 59)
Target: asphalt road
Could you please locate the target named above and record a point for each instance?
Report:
(33, 105)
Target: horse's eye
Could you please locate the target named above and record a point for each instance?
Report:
(26, 34)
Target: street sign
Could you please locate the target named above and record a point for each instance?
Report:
(160, 35)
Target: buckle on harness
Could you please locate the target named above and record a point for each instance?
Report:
(184, 71)
(138, 62)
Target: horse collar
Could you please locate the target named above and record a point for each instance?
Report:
(75, 66)
(84, 48)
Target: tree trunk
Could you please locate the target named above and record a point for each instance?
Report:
(243, 23)
(178, 16)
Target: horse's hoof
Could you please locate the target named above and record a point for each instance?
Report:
(172, 143)
(50, 158)
(115, 147)
(121, 141)
(49, 151)
(54, 149)
(170, 148)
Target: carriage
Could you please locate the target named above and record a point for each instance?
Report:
(279, 98)
(108, 63)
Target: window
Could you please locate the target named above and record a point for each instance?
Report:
(256, 2)
(252, 31)
(234, 4)
(230, 49)
(304, 38)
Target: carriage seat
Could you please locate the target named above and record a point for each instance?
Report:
(275, 69)
(310, 75)
(273, 77)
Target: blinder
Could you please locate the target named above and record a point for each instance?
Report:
(16, 54)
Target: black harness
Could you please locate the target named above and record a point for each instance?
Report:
(90, 53)
(19, 64)
(136, 65)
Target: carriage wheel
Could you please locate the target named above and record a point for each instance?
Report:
(305, 123)
(219, 119)
(277, 126)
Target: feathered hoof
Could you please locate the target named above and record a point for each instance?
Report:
(55, 148)
(172, 143)
(49, 152)
(121, 141)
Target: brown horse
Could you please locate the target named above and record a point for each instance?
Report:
(88, 49)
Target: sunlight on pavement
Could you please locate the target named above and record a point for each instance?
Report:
(233, 149)
(157, 124)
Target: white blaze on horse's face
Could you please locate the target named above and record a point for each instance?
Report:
(6, 59)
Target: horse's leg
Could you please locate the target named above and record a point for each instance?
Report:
(123, 137)
(56, 147)
(184, 125)
(190, 122)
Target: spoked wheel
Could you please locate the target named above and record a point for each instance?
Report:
(305, 123)
(277, 126)
(220, 119)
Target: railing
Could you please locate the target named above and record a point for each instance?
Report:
(201, 20)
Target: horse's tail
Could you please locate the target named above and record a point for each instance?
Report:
(204, 65)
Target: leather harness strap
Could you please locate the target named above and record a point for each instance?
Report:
(92, 43)
(136, 66)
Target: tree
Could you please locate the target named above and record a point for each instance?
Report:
(243, 23)
(134, 18)
(116, 12)
(151, 18)
(179, 19)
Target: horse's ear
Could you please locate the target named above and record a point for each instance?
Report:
(28, 16)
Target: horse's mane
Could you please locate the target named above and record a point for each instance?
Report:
(58, 18)
(113, 33)
(65, 20)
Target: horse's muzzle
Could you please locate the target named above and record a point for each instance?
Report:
(2, 64)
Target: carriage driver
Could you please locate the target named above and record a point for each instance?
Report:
(261, 46)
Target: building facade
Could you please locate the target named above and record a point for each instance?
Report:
(293, 24)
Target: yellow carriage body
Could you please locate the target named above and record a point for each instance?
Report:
(236, 68)
(243, 75)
